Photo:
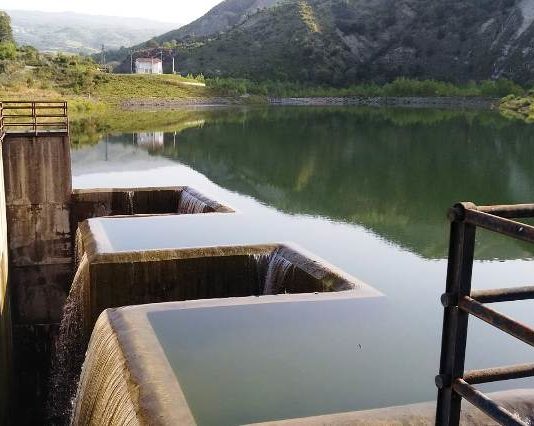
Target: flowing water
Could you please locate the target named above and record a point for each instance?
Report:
(130, 201)
(273, 269)
(189, 204)
(70, 346)
(278, 270)
(366, 189)
(105, 358)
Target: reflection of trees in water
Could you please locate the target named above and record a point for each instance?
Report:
(393, 171)
(91, 129)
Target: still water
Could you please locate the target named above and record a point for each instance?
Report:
(273, 361)
(366, 189)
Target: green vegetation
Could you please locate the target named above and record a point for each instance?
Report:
(26, 73)
(399, 87)
(8, 49)
(6, 33)
(344, 42)
(521, 107)
(79, 33)
(115, 88)
(89, 129)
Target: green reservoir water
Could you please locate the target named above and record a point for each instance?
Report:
(274, 361)
(366, 189)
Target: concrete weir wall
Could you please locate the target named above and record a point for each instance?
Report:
(90, 203)
(5, 314)
(105, 281)
(39, 215)
(38, 189)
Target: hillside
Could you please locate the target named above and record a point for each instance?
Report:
(340, 41)
(79, 33)
(219, 19)
(343, 41)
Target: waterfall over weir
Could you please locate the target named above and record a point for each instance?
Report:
(278, 269)
(190, 204)
(107, 393)
(139, 278)
(130, 201)
(70, 346)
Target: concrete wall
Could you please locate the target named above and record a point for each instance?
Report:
(90, 203)
(5, 314)
(518, 401)
(37, 179)
(121, 279)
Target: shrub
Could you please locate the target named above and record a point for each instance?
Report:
(8, 50)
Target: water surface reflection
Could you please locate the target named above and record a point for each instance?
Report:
(367, 189)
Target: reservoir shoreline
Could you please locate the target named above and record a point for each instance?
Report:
(408, 101)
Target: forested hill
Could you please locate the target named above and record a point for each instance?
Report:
(342, 41)
(219, 19)
(80, 33)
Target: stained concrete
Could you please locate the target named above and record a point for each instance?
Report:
(5, 311)
(91, 203)
(131, 278)
(120, 279)
(127, 378)
(43, 213)
(520, 401)
(38, 189)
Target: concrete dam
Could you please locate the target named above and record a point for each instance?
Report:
(144, 306)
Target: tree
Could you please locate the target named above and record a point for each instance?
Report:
(8, 50)
(6, 33)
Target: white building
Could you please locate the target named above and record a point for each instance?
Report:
(149, 139)
(148, 66)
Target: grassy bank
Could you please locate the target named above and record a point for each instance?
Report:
(28, 74)
(521, 107)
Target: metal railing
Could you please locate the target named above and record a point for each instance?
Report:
(33, 116)
(2, 130)
(460, 301)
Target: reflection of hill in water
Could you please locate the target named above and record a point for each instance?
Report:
(394, 172)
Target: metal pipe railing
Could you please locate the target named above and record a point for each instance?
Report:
(503, 294)
(515, 211)
(34, 116)
(460, 302)
(478, 399)
(2, 130)
(469, 213)
(488, 375)
(502, 322)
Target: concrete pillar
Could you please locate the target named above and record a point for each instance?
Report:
(5, 312)
(37, 178)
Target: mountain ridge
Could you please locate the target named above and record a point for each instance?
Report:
(378, 40)
(80, 33)
(342, 42)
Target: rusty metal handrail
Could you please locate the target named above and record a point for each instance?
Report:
(44, 116)
(460, 301)
(2, 130)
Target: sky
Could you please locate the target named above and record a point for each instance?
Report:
(177, 11)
